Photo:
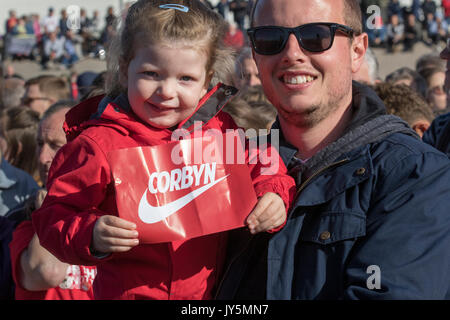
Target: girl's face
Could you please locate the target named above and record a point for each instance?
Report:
(165, 83)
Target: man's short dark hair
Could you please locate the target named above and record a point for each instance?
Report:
(352, 15)
(51, 86)
(63, 104)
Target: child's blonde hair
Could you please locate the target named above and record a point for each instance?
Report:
(148, 23)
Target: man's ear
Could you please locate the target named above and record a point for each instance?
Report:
(420, 126)
(358, 50)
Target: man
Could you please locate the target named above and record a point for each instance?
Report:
(51, 136)
(12, 92)
(438, 135)
(43, 91)
(370, 219)
(50, 22)
(404, 102)
(239, 9)
(246, 72)
(36, 272)
(53, 50)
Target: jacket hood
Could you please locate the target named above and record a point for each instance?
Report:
(116, 113)
(369, 124)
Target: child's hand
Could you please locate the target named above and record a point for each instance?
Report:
(269, 213)
(113, 234)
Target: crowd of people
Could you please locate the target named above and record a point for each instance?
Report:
(56, 40)
(399, 25)
(364, 162)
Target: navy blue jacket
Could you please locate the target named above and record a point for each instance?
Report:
(438, 134)
(371, 223)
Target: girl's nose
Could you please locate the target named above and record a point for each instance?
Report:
(166, 89)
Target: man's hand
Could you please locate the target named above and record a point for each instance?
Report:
(268, 213)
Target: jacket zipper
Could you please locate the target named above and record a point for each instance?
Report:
(236, 256)
(302, 186)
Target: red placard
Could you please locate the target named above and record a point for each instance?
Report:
(170, 195)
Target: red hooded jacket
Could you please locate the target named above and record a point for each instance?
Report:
(80, 190)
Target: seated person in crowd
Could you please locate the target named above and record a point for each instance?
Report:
(53, 50)
(395, 33)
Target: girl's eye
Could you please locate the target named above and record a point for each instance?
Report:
(150, 73)
(186, 78)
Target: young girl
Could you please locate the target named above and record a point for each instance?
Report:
(166, 60)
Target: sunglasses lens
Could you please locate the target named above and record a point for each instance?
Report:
(316, 38)
(268, 41)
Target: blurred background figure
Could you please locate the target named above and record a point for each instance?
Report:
(50, 23)
(252, 111)
(43, 91)
(368, 72)
(438, 135)
(436, 94)
(404, 102)
(51, 136)
(18, 130)
(239, 9)
(395, 34)
(234, 37)
(437, 29)
(223, 8)
(12, 93)
(16, 186)
(431, 60)
(413, 32)
(410, 78)
(246, 73)
(37, 274)
(53, 50)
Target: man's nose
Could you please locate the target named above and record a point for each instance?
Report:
(46, 154)
(254, 80)
(293, 51)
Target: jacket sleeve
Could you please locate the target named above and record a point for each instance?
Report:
(77, 185)
(405, 252)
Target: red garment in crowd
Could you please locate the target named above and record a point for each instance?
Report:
(235, 40)
(10, 24)
(76, 286)
(446, 6)
(81, 189)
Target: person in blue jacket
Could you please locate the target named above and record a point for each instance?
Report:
(438, 134)
(370, 219)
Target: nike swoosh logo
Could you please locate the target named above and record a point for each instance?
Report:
(151, 214)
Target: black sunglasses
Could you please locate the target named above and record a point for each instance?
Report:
(313, 37)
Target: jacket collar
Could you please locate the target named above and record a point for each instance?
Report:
(369, 123)
(117, 113)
